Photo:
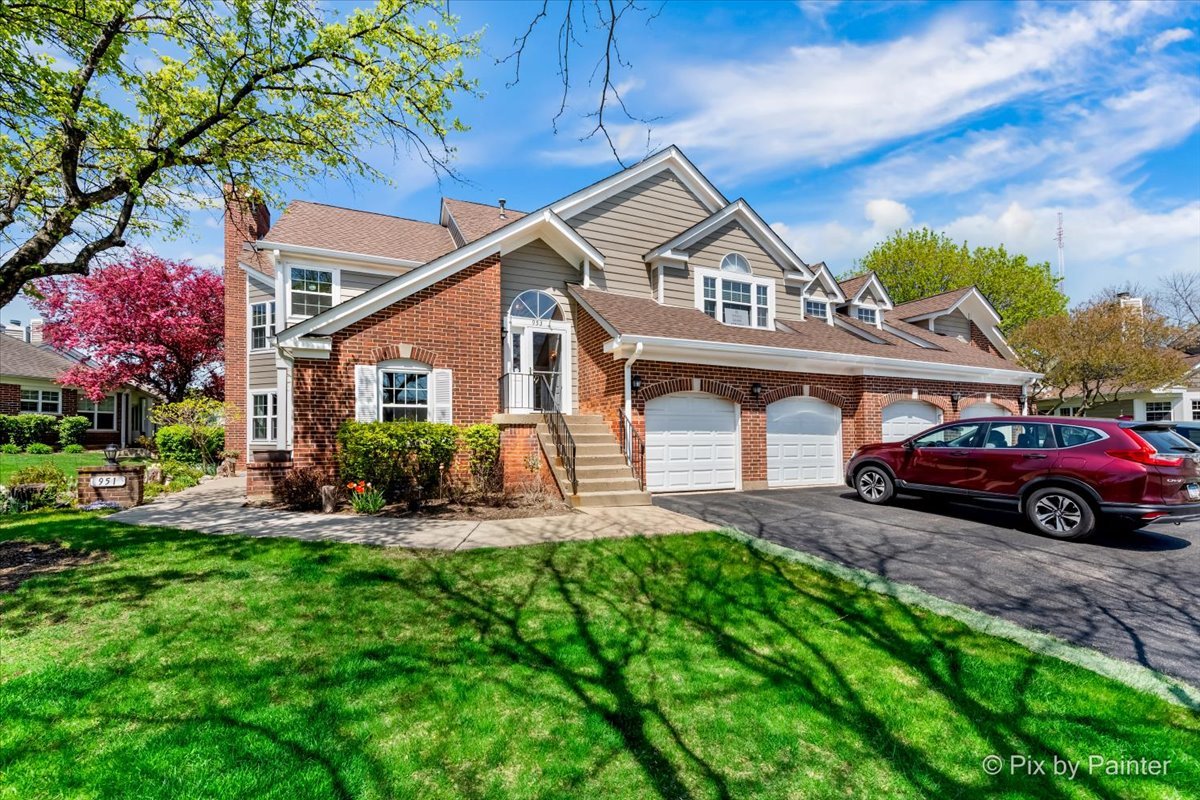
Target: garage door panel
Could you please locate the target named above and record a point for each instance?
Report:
(691, 443)
(803, 442)
(976, 410)
(908, 418)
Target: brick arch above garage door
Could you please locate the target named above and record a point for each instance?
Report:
(805, 390)
(1004, 402)
(942, 403)
(693, 385)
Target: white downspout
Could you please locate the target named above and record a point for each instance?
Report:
(637, 353)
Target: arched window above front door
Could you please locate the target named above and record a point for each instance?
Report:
(535, 304)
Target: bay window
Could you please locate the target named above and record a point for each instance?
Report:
(102, 415)
(264, 416)
(41, 401)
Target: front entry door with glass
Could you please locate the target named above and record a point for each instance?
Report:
(535, 354)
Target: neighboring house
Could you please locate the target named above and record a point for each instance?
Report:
(1180, 403)
(646, 297)
(29, 384)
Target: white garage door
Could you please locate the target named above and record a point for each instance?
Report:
(804, 443)
(691, 443)
(976, 410)
(907, 418)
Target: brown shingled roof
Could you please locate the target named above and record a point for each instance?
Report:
(638, 316)
(23, 360)
(308, 224)
(476, 220)
(929, 305)
(850, 286)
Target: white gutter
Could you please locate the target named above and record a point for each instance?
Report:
(339, 255)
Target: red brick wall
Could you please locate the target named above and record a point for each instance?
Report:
(457, 323)
(10, 398)
(243, 223)
(519, 448)
(263, 476)
(861, 398)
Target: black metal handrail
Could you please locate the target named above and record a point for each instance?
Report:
(564, 442)
(634, 449)
(529, 390)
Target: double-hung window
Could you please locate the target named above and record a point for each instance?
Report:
(403, 395)
(262, 322)
(1196, 410)
(867, 315)
(740, 299)
(41, 401)
(264, 416)
(818, 309)
(101, 415)
(1158, 411)
(312, 291)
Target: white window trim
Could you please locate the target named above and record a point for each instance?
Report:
(288, 266)
(272, 436)
(873, 309)
(1170, 410)
(271, 314)
(58, 406)
(92, 414)
(739, 277)
(414, 367)
(828, 306)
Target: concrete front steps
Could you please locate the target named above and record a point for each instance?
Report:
(605, 480)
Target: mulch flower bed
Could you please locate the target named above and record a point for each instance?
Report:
(22, 560)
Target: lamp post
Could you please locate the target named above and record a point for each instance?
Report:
(110, 453)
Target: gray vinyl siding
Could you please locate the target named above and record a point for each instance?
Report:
(1111, 410)
(953, 324)
(261, 365)
(355, 283)
(538, 266)
(631, 223)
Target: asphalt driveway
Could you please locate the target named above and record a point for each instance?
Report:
(1134, 596)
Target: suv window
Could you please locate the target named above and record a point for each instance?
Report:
(950, 436)
(1022, 435)
(1164, 440)
(1072, 435)
(1190, 432)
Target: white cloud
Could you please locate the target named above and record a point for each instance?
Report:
(887, 214)
(818, 104)
(1170, 37)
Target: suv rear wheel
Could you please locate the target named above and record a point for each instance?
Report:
(874, 485)
(1060, 513)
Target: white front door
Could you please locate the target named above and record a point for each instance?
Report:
(536, 366)
(908, 418)
(691, 443)
(804, 443)
(977, 410)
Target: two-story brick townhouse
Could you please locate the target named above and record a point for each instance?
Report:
(646, 307)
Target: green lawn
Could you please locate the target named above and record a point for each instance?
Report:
(673, 667)
(67, 462)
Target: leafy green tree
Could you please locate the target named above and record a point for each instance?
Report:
(919, 263)
(116, 115)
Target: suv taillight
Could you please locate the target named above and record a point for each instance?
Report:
(1145, 454)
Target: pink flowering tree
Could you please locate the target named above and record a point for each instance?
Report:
(145, 320)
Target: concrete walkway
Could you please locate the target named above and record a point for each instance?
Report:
(218, 506)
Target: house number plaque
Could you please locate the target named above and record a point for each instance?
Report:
(105, 481)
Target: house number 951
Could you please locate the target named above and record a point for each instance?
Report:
(103, 481)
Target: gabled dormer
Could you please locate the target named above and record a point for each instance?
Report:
(866, 299)
(822, 295)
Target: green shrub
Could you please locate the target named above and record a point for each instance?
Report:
(178, 475)
(180, 443)
(8, 424)
(71, 430)
(26, 429)
(405, 460)
(9, 448)
(300, 488)
(483, 449)
(73, 448)
(39, 449)
(53, 479)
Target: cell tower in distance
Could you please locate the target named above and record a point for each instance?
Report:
(1062, 262)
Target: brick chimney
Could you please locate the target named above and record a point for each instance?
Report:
(246, 221)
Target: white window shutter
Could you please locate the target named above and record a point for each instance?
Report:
(366, 408)
(443, 396)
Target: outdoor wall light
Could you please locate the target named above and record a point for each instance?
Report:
(635, 383)
(955, 397)
(110, 452)
(756, 389)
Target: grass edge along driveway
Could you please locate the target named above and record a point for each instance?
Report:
(691, 666)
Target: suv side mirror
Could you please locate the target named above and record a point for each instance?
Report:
(910, 445)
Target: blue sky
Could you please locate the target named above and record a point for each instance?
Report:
(839, 122)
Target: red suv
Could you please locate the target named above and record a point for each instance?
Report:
(1062, 474)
